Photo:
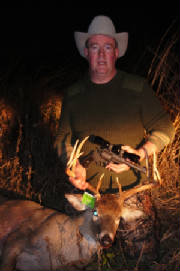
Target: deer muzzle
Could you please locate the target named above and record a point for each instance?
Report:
(106, 241)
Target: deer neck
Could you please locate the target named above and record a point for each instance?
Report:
(87, 228)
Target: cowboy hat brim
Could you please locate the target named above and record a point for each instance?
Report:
(121, 38)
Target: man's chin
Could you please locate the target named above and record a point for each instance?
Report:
(102, 71)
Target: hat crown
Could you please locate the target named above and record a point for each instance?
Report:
(101, 25)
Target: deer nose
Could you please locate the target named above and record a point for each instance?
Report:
(106, 241)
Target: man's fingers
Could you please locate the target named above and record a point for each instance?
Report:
(118, 168)
(78, 183)
(128, 149)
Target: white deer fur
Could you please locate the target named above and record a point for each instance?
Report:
(129, 214)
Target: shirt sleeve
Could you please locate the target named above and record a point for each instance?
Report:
(64, 135)
(158, 126)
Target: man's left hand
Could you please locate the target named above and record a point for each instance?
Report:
(118, 168)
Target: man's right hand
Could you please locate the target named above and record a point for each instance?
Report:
(79, 181)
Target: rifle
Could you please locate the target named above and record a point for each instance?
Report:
(107, 153)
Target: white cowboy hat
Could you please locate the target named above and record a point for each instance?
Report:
(101, 25)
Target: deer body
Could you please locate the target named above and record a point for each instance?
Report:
(35, 238)
(56, 244)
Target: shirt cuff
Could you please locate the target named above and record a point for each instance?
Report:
(159, 139)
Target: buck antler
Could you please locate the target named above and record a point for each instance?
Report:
(126, 194)
(156, 181)
(75, 154)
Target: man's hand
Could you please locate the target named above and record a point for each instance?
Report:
(118, 168)
(150, 148)
(79, 181)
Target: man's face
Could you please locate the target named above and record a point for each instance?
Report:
(101, 54)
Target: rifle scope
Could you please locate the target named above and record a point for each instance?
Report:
(99, 141)
(115, 148)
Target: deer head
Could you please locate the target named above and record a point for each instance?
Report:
(101, 223)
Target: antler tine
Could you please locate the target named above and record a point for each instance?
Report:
(99, 183)
(96, 190)
(77, 153)
(141, 188)
(119, 186)
(70, 161)
(156, 173)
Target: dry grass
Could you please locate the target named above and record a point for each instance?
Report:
(32, 170)
(51, 111)
(164, 77)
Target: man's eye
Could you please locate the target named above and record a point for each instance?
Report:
(108, 47)
(94, 47)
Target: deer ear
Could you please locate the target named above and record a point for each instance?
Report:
(76, 201)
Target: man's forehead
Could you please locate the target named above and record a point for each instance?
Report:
(101, 38)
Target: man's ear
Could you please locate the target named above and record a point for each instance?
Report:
(117, 53)
(86, 52)
(76, 201)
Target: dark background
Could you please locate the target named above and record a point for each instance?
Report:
(45, 34)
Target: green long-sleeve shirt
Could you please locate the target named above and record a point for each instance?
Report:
(120, 111)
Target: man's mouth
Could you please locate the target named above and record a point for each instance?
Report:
(101, 63)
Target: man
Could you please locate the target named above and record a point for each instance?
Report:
(117, 106)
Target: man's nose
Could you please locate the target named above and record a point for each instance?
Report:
(101, 51)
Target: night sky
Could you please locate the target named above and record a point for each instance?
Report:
(47, 33)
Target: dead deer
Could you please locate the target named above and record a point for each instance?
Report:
(33, 237)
